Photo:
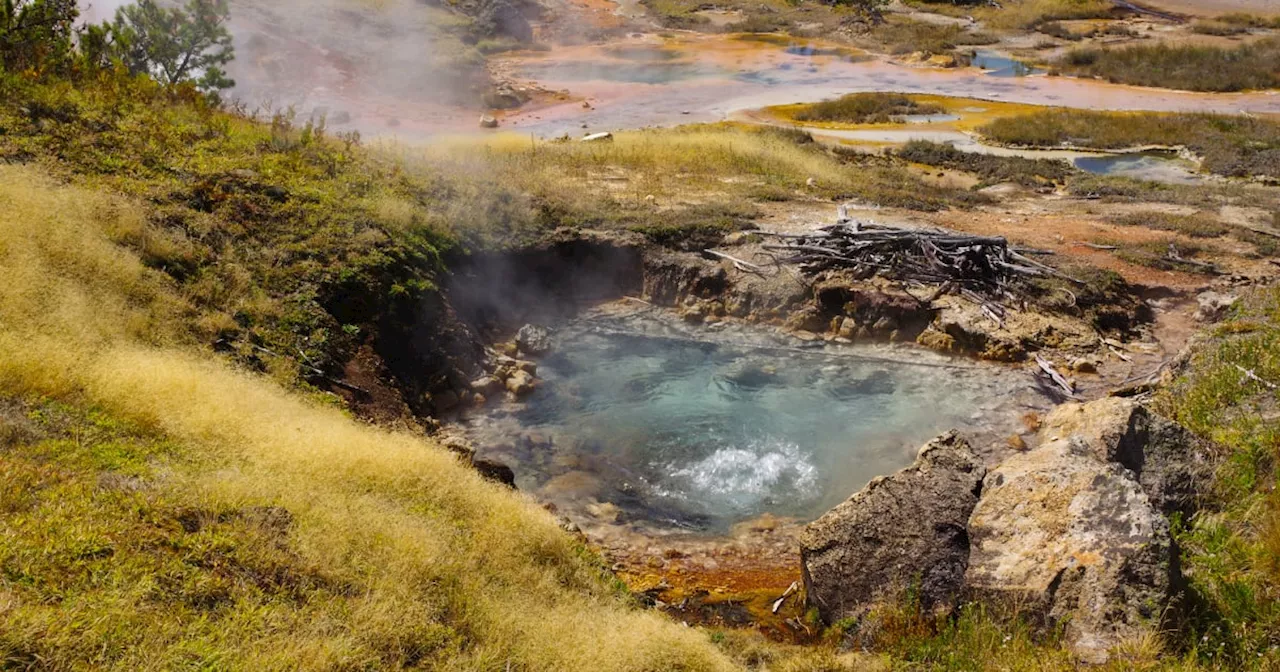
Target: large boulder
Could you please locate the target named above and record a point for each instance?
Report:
(533, 340)
(1072, 539)
(1172, 464)
(901, 530)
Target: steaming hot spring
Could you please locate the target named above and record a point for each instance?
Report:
(643, 421)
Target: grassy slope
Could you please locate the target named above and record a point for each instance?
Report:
(281, 241)
(690, 171)
(1231, 549)
(159, 508)
(137, 472)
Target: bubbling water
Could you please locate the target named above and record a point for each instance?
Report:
(669, 428)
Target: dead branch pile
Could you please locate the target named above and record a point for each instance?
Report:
(984, 269)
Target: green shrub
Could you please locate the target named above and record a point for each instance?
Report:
(1198, 225)
(992, 169)
(906, 36)
(866, 108)
(37, 35)
(1055, 29)
(1219, 28)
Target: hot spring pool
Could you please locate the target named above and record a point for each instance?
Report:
(638, 421)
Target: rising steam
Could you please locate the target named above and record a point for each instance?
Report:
(364, 64)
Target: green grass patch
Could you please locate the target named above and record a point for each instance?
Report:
(163, 508)
(1229, 145)
(1168, 254)
(1229, 549)
(1182, 66)
(1218, 28)
(279, 233)
(1198, 225)
(898, 35)
(990, 169)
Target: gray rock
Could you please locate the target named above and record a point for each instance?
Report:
(1172, 465)
(908, 528)
(1073, 540)
(533, 340)
(486, 385)
(1212, 306)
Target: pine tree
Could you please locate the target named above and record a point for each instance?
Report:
(36, 34)
(176, 44)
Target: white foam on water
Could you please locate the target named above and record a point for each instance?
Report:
(743, 477)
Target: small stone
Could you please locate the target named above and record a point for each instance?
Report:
(848, 328)
(1084, 365)
(606, 511)
(942, 61)
(884, 325)
(488, 121)
(520, 383)
(486, 385)
(694, 314)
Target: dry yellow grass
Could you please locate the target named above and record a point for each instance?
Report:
(434, 567)
(670, 161)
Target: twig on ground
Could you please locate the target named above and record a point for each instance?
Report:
(1248, 373)
(1057, 378)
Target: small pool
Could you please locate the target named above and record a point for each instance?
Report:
(659, 427)
(999, 65)
(1153, 166)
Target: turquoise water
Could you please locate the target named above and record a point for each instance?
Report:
(700, 434)
(998, 65)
